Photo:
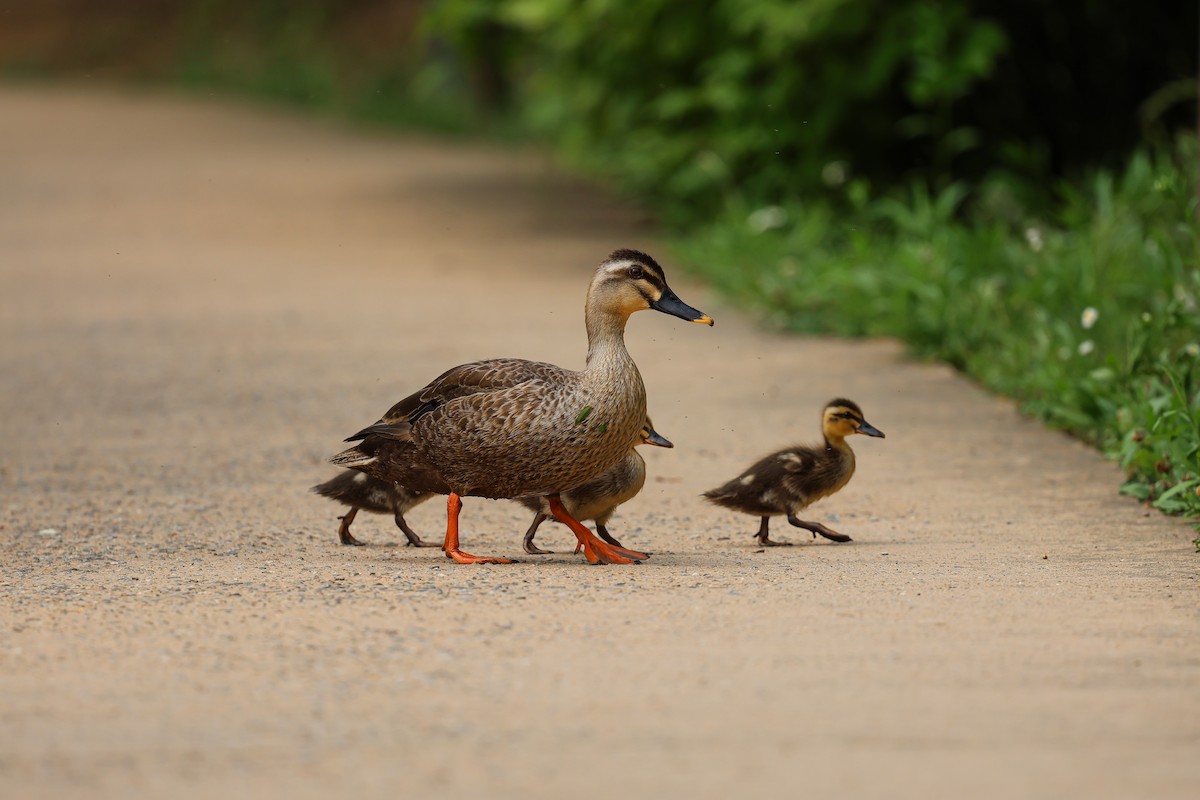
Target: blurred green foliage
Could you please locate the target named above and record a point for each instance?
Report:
(690, 105)
(694, 104)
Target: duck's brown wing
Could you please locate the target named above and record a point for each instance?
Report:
(466, 379)
(387, 448)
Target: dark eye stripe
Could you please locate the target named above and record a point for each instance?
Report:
(652, 279)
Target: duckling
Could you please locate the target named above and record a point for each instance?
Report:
(358, 490)
(508, 428)
(788, 481)
(598, 498)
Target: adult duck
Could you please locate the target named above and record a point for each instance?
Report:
(510, 428)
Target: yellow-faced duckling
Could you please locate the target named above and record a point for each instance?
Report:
(360, 491)
(790, 480)
(509, 429)
(598, 498)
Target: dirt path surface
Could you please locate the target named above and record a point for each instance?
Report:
(200, 300)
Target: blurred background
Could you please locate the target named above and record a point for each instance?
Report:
(762, 98)
(1007, 185)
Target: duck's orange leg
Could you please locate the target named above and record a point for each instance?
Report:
(453, 506)
(596, 550)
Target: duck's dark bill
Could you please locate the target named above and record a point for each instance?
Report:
(870, 430)
(658, 440)
(670, 303)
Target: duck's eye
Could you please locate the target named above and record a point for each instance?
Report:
(635, 272)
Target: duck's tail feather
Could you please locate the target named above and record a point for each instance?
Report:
(399, 431)
(353, 457)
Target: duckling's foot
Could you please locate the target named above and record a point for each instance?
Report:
(816, 527)
(413, 539)
(527, 542)
(763, 539)
(453, 506)
(344, 535)
(596, 550)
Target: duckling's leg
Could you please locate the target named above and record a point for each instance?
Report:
(605, 535)
(344, 529)
(596, 550)
(817, 527)
(528, 544)
(413, 539)
(453, 506)
(764, 539)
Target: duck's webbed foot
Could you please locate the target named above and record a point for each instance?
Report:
(816, 527)
(527, 542)
(413, 539)
(597, 550)
(344, 535)
(463, 557)
(453, 506)
(764, 540)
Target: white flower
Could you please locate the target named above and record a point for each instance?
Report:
(767, 218)
(1088, 318)
(1146, 316)
(833, 174)
(1192, 349)
(1086, 347)
(1034, 237)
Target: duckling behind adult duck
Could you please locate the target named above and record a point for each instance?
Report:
(358, 490)
(488, 429)
(598, 498)
(790, 480)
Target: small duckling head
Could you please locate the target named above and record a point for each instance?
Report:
(629, 281)
(651, 436)
(843, 418)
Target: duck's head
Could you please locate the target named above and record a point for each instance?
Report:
(629, 281)
(651, 436)
(843, 417)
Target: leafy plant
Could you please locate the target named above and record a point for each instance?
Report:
(753, 98)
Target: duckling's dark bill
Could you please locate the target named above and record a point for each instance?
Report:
(870, 430)
(669, 303)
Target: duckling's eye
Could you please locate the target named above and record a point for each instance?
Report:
(635, 272)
